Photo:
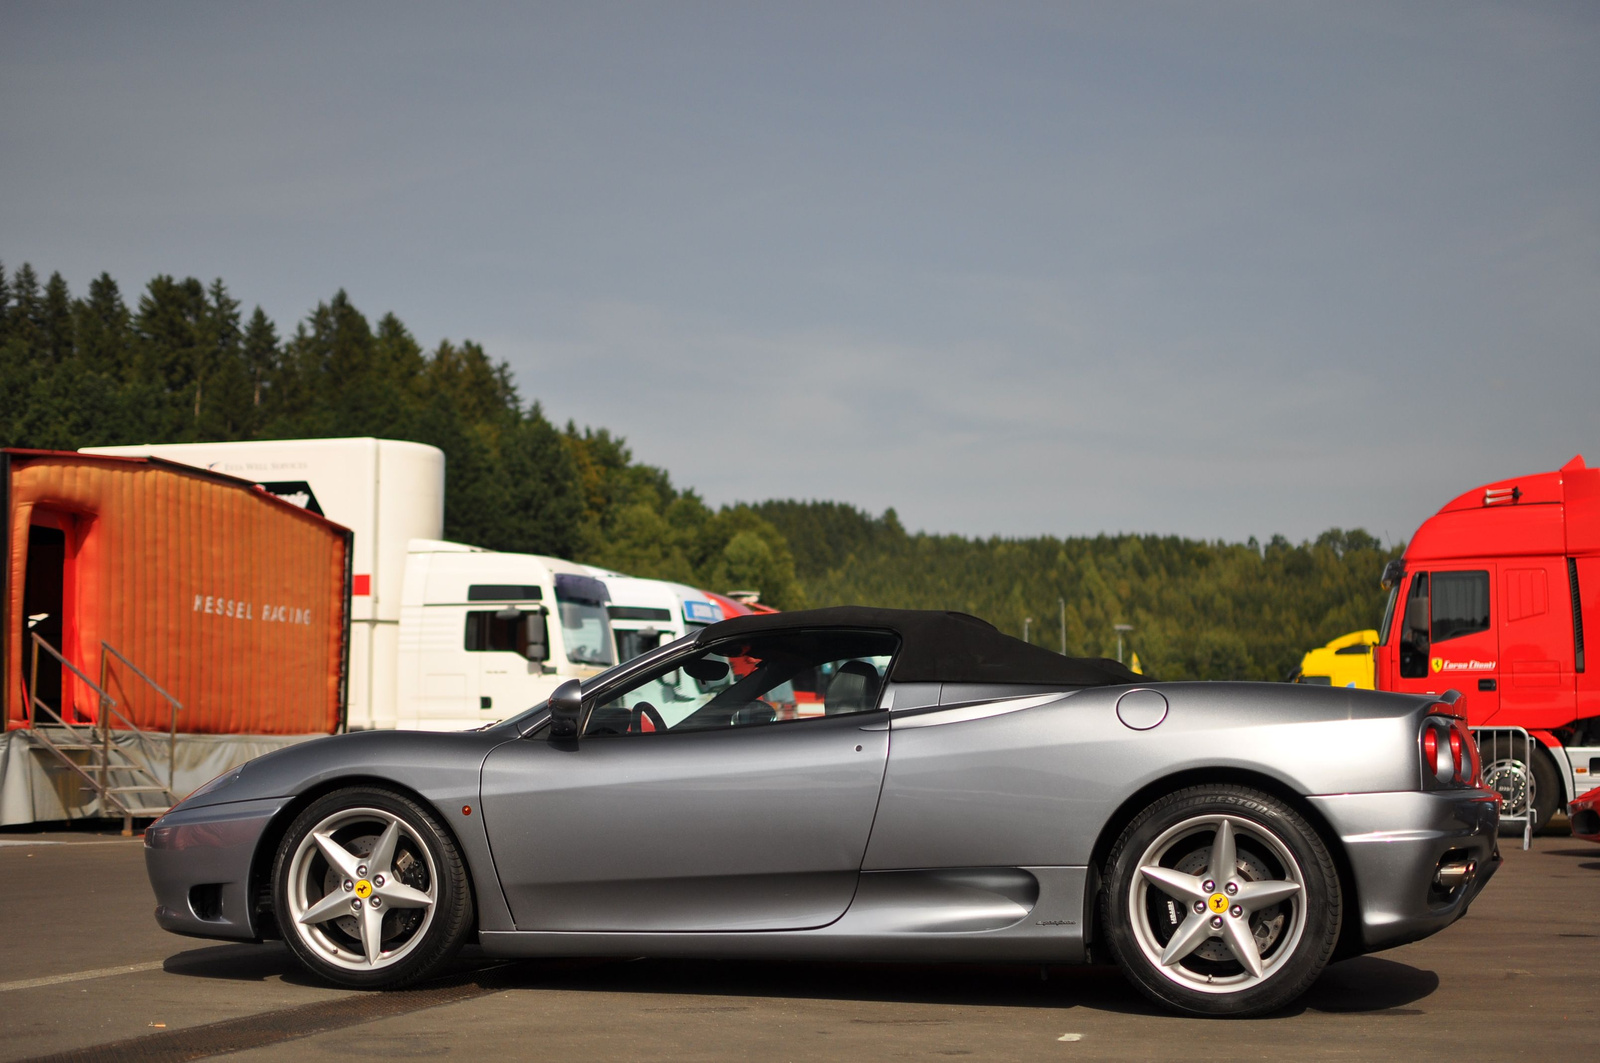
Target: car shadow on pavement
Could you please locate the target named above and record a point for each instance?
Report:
(997, 986)
(238, 963)
(1590, 854)
(1097, 987)
(1366, 984)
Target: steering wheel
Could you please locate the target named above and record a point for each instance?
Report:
(646, 719)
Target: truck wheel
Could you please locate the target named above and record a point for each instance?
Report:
(1510, 776)
(370, 891)
(1221, 901)
(1548, 791)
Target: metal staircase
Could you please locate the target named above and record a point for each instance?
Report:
(125, 784)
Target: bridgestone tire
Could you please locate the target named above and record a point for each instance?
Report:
(1274, 843)
(441, 928)
(1548, 793)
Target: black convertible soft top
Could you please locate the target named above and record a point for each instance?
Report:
(939, 647)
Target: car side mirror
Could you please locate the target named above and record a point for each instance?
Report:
(566, 704)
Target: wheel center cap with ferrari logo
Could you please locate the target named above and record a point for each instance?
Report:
(1218, 903)
(364, 890)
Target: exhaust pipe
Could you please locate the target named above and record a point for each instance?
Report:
(1451, 875)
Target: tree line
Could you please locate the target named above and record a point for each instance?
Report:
(1197, 610)
(184, 363)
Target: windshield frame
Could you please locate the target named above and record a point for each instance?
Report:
(530, 720)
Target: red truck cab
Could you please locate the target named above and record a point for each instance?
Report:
(1492, 599)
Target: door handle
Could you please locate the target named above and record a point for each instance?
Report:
(1486, 684)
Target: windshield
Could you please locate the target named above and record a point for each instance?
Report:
(587, 632)
(768, 679)
(529, 720)
(1388, 615)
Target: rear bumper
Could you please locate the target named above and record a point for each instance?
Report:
(1395, 843)
(199, 862)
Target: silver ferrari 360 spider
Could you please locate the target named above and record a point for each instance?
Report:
(864, 784)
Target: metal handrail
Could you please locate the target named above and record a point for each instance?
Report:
(103, 785)
(108, 704)
(172, 713)
(36, 703)
(1506, 740)
(102, 723)
(51, 650)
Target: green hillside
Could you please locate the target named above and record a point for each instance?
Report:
(1200, 610)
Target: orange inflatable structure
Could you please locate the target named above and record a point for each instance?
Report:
(235, 602)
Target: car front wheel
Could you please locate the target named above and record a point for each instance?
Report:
(1221, 901)
(370, 891)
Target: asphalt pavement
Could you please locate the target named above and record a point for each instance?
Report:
(85, 974)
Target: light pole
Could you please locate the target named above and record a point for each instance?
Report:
(1027, 622)
(1120, 629)
(1062, 602)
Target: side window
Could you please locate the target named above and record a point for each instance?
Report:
(1414, 630)
(509, 630)
(1460, 604)
(631, 644)
(634, 641)
(762, 680)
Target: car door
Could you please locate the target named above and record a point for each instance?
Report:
(755, 823)
(1448, 639)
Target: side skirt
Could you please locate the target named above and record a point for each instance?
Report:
(959, 915)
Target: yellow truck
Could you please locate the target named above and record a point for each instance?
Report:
(1344, 662)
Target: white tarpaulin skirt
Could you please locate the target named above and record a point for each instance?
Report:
(35, 787)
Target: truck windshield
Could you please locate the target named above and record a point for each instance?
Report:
(587, 632)
(1388, 615)
(585, 624)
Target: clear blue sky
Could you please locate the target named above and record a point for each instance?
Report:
(1213, 269)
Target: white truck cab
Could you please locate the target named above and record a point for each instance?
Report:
(646, 613)
(485, 635)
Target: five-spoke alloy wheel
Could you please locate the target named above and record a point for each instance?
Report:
(369, 890)
(1221, 900)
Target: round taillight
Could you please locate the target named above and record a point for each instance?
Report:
(1458, 755)
(1430, 748)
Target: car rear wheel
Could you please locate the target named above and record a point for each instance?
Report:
(370, 891)
(1221, 901)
